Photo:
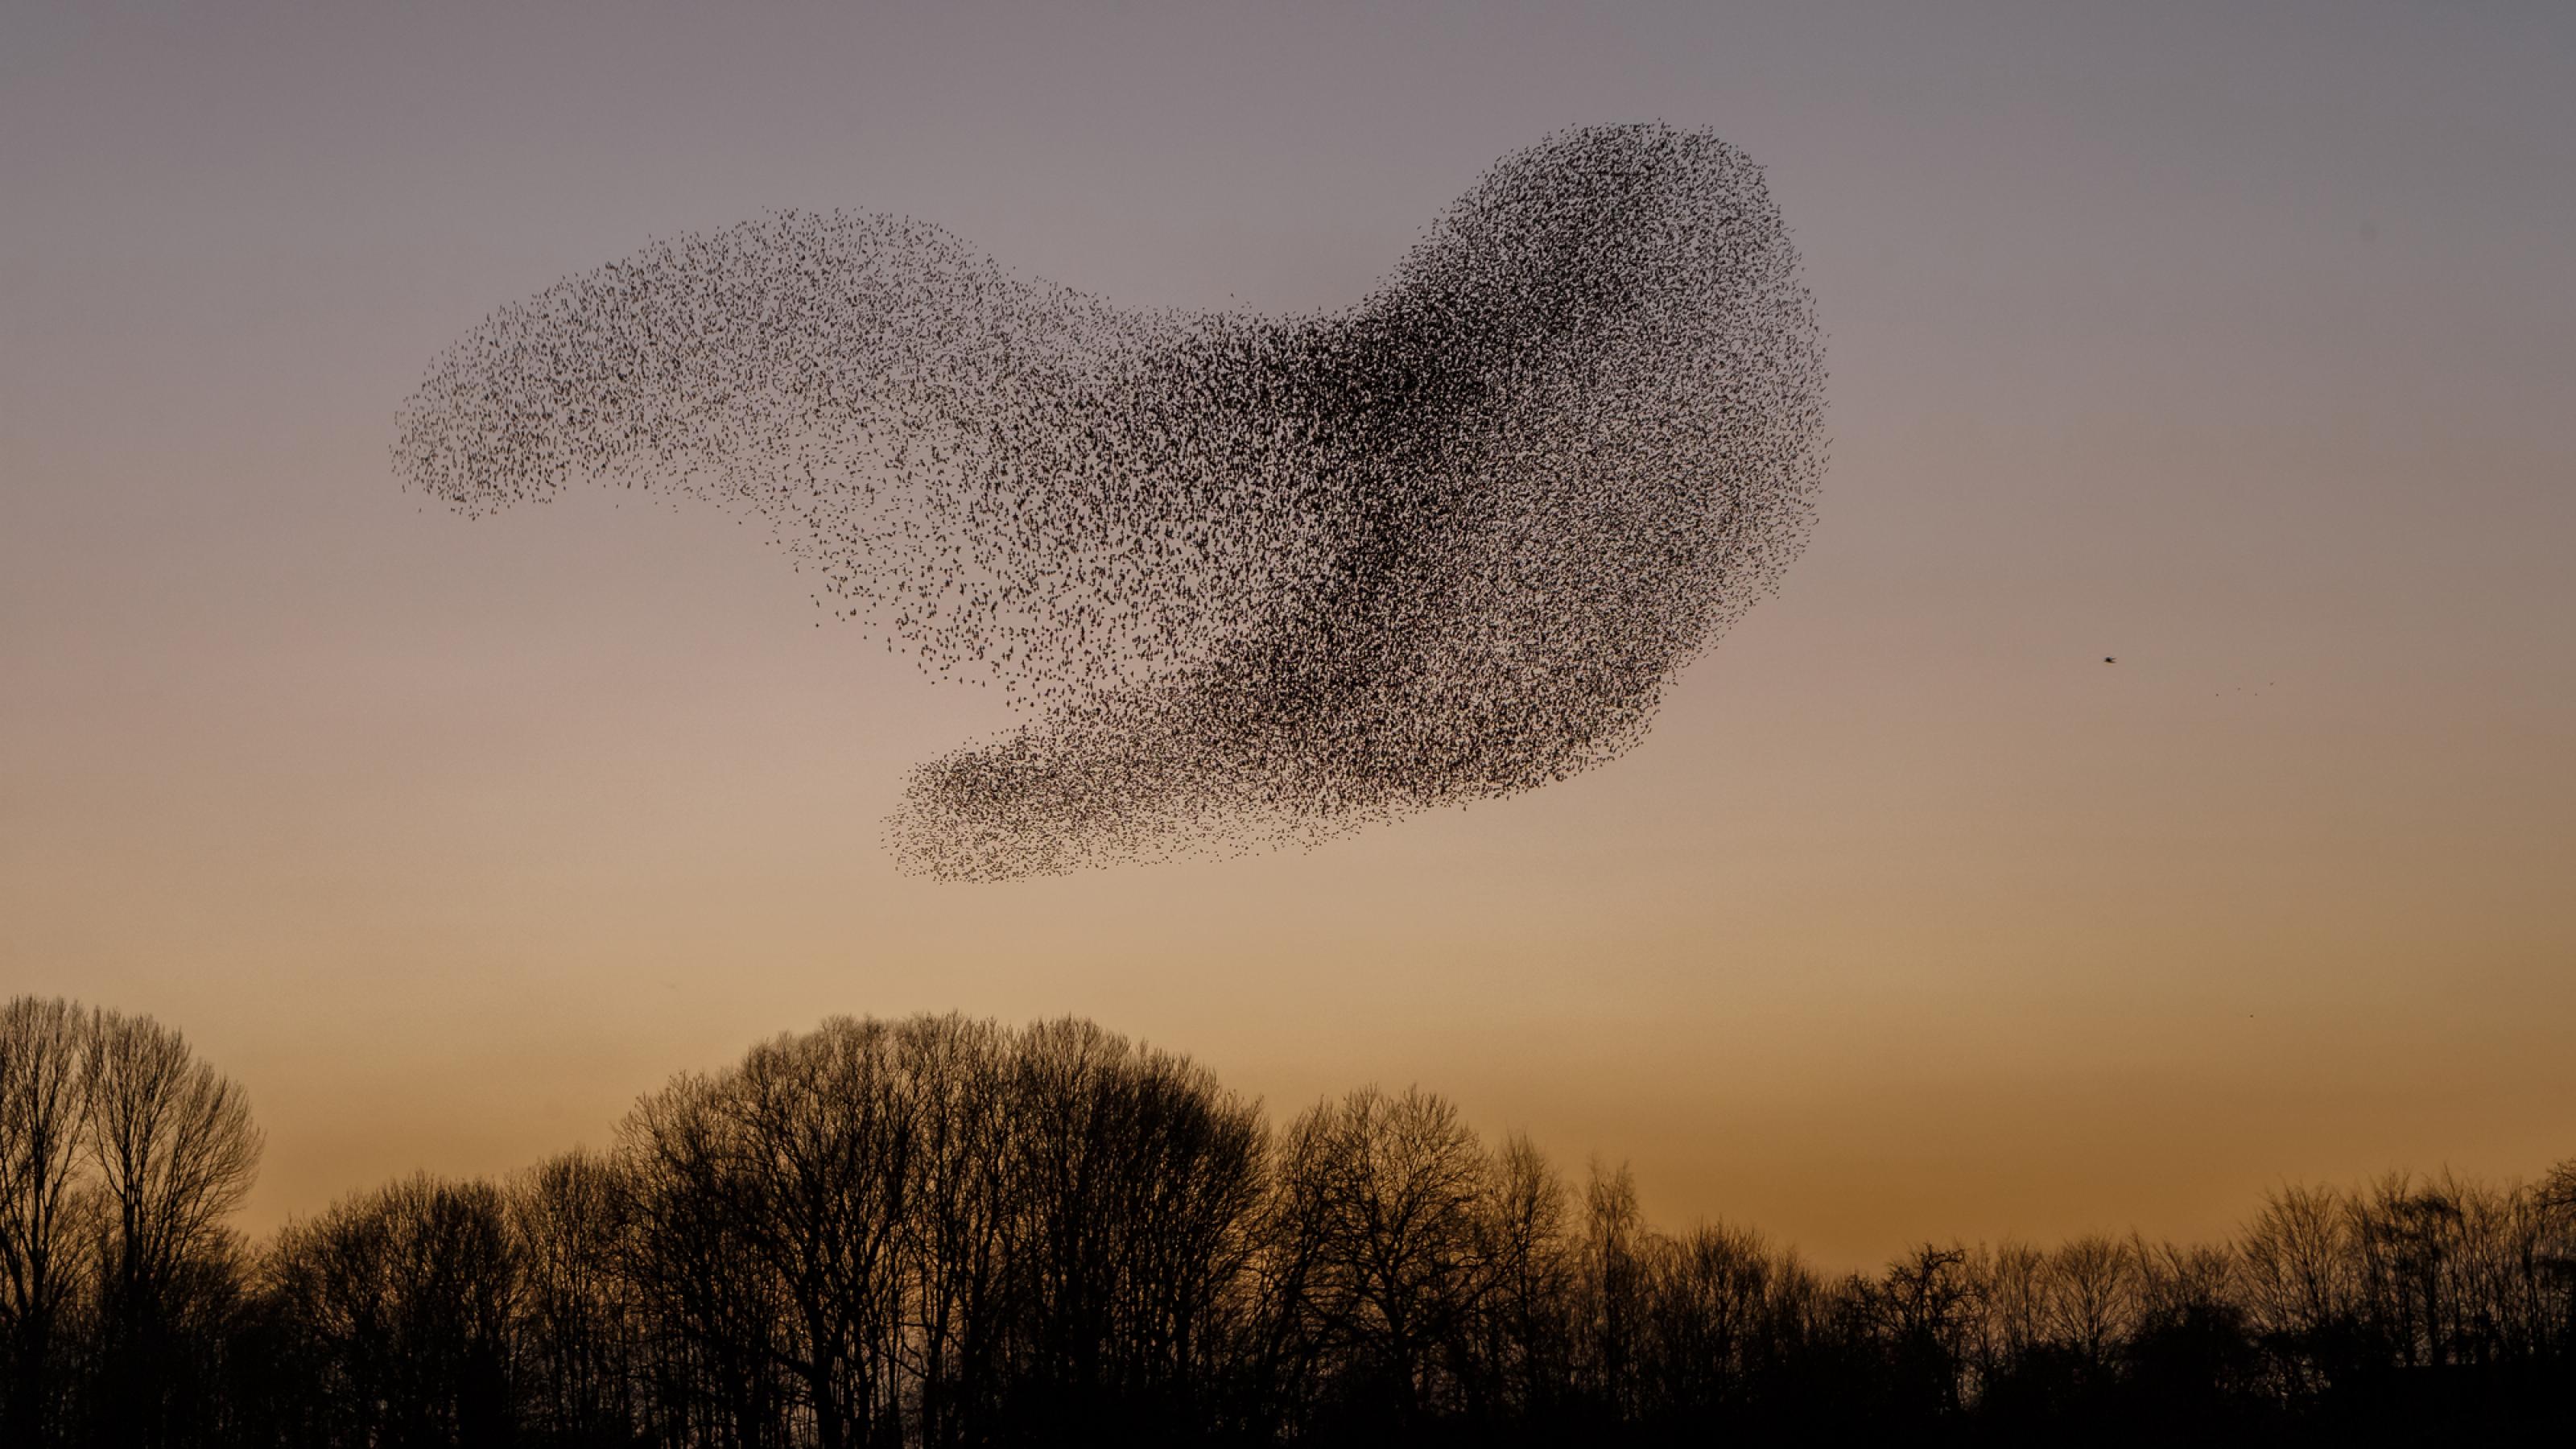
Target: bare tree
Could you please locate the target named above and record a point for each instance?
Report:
(175, 1148)
(1612, 1274)
(2089, 1298)
(45, 1082)
(2408, 1235)
(787, 1177)
(1398, 1193)
(1133, 1179)
(569, 1219)
(2012, 1295)
(1523, 1336)
(714, 1311)
(399, 1308)
(1725, 1310)
(2554, 1253)
(824, 1137)
(175, 1151)
(1925, 1305)
(957, 1232)
(2300, 1282)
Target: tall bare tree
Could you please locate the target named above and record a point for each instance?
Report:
(715, 1315)
(45, 1083)
(957, 1233)
(569, 1219)
(175, 1147)
(1397, 1194)
(175, 1151)
(1523, 1336)
(400, 1307)
(1611, 1284)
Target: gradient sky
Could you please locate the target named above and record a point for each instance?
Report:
(2236, 341)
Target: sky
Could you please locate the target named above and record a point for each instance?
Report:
(2234, 341)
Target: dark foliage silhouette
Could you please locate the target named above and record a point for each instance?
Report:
(944, 1232)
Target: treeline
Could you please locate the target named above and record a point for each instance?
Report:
(946, 1232)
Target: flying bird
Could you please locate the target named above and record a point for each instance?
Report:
(1248, 580)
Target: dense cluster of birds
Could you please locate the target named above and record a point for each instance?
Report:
(1251, 579)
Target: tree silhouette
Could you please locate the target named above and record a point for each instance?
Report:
(946, 1232)
(45, 1085)
(400, 1312)
(175, 1152)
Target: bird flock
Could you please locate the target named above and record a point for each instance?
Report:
(1248, 580)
